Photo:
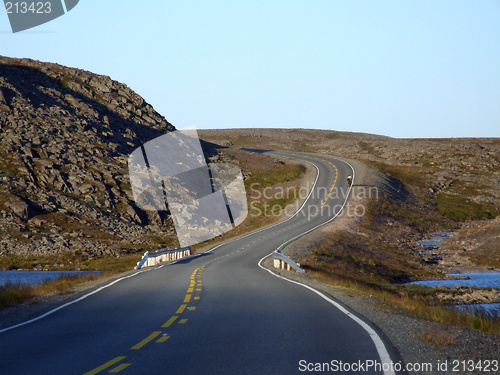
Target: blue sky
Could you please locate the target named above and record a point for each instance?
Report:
(427, 68)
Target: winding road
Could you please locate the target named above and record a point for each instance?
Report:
(219, 312)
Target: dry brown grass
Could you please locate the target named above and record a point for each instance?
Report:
(418, 301)
(370, 261)
(14, 294)
(438, 335)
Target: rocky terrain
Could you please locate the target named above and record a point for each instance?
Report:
(65, 136)
(444, 165)
(456, 178)
(65, 195)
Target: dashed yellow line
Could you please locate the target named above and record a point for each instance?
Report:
(118, 368)
(181, 309)
(146, 340)
(333, 184)
(195, 281)
(106, 365)
(170, 321)
(163, 339)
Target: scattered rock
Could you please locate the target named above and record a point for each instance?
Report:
(65, 137)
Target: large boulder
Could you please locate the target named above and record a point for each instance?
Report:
(21, 208)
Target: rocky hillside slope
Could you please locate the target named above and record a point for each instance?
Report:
(65, 136)
(456, 178)
(466, 168)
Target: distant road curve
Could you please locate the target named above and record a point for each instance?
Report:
(218, 312)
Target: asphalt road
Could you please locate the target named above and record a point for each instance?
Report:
(215, 313)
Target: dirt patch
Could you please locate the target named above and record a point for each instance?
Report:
(455, 178)
(452, 169)
(473, 248)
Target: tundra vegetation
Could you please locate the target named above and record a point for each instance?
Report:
(432, 185)
(65, 197)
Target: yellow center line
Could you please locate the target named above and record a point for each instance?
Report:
(181, 309)
(106, 365)
(196, 298)
(123, 366)
(146, 340)
(192, 308)
(333, 185)
(183, 321)
(190, 290)
(170, 321)
(163, 339)
(188, 298)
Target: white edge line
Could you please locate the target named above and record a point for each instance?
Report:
(385, 358)
(333, 217)
(279, 222)
(71, 302)
(161, 266)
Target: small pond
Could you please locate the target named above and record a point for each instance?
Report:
(478, 279)
(472, 279)
(37, 277)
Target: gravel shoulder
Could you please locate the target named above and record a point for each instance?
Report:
(417, 341)
(406, 333)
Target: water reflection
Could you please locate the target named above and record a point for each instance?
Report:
(37, 277)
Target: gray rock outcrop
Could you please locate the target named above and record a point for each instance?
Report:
(65, 137)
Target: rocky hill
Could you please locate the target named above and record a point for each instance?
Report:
(461, 173)
(65, 136)
(457, 178)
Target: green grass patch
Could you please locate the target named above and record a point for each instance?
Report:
(410, 175)
(282, 174)
(164, 241)
(363, 259)
(386, 207)
(111, 265)
(459, 208)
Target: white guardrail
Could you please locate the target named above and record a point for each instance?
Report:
(152, 258)
(283, 262)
